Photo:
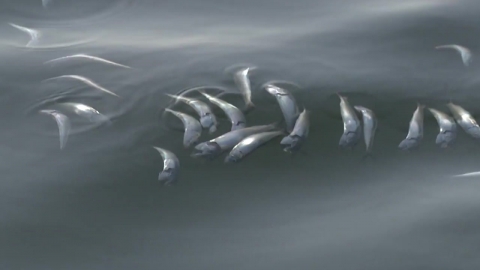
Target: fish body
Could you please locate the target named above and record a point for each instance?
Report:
(171, 167)
(192, 128)
(465, 120)
(352, 131)
(464, 52)
(287, 104)
(299, 134)
(242, 81)
(63, 123)
(415, 130)
(447, 126)
(234, 114)
(227, 141)
(249, 144)
(370, 121)
(207, 117)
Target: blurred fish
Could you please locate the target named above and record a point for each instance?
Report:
(84, 80)
(351, 125)
(45, 3)
(242, 81)
(34, 34)
(227, 141)
(171, 166)
(249, 144)
(465, 120)
(415, 131)
(295, 139)
(468, 174)
(233, 113)
(464, 52)
(85, 111)
(369, 126)
(448, 128)
(63, 124)
(85, 56)
(287, 103)
(193, 128)
(207, 118)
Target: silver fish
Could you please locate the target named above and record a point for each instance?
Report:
(227, 141)
(193, 128)
(86, 111)
(464, 52)
(448, 128)
(249, 144)
(242, 81)
(415, 131)
(86, 81)
(86, 56)
(351, 125)
(369, 126)
(171, 167)
(295, 139)
(468, 174)
(34, 34)
(234, 114)
(287, 103)
(465, 120)
(63, 124)
(207, 118)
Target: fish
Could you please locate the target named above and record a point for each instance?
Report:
(63, 123)
(86, 111)
(193, 128)
(234, 114)
(287, 104)
(249, 144)
(299, 134)
(227, 141)
(207, 117)
(415, 131)
(468, 174)
(86, 56)
(242, 81)
(351, 124)
(171, 167)
(84, 80)
(448, 128)
(34, 34)
(370, 121)
(464, 52)
(465, 120)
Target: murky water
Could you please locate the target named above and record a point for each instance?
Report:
(97, 204)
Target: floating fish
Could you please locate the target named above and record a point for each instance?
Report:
(63, 124)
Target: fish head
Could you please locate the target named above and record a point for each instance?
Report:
(168, 175)
(234, 157)
(348, 140)
(408, 144)
(291, 143)
(206, 149)
(191, 139)
(444, 139)
(209, 121)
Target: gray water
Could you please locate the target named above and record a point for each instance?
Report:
(97, 204)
